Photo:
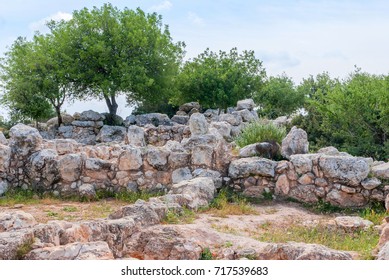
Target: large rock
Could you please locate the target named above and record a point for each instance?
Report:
(245, 104)
(383, 253)
(387, 203)
(234, 120)
(246, 115)
(181, 174)
(163, 243)
(111, 134)
(248, 151)
(87, 191)
(348, 170)
(296, 142)
(157, 157)
(136, 136)
(3, 187)
(16, 220)
(66, 120)
(381, 171)
(66, 146)
(24, 140)
(155, 119)
(343, 199)
(130, 159)
(187, 107)
(252, 166)
(5, 157)
(352, 224)
(12, 241)
(301, 251)
(43, 169)
(303, 163)
(200, 191)
(180, 119)
(198, 124)
(70, 167)
(3, 140)
(98, 250)
(90, 116)
(130, 120)
(223, 128)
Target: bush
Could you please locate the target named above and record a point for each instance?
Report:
(259, 132)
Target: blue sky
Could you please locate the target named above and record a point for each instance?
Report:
(296, 37)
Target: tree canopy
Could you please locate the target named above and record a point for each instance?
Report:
(120, 51)
(219, 80)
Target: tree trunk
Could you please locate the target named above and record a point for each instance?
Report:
(59, 116)
(111, 104)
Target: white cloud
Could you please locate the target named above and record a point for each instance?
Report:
(40, 25)
(195, 19)
(164, 6)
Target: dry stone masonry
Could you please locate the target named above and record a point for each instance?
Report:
(187, 157)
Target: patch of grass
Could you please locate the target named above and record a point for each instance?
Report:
(206, 254)
(185, 216)
(225, 229)
(375, 213)
(24, 249)
(70, 209)
(97, 211)
(126, 196)
(18, 196)
(228, 244)
(227, 203)
(260, 132)
(362, 242)
(52, 214)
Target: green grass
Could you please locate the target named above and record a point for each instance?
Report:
(228, 203)
(206, 254)
(259, 132)
(362, 242)
(20, 196)
(70, 209)
(185, 216)
(24, 249)
(126, 196)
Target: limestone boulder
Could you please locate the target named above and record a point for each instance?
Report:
(383, 253)
(245, 104)
(16, 220)
(157, 156)
(248, 151)
(3, 187)
(163, 243)
(3, 140)
(87, 191)
(303, 163)
(301, 251)
(70, 167)
(109, 134)
(181, 174)
(180, 119)
(246, 115)
(199, 191)
(98, 250)
(130, 120)
(352, 223)
(232, 119)
(130, 159)
(187, 107)
(66, 146)
(43, 168)
(198, 124)
(348, 170)
(381, 171)
(5, 157)
(155, 119)
(343, 199)
(90, 115)
(66, 120)
(296, 142)
(370, 183)
(213, 174)
(223, 128)
(12, 241)
(244, 167)
(387, 203)
(24, 140)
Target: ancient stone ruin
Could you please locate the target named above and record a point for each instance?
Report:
(187, 158)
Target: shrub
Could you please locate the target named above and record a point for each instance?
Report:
(260, 132)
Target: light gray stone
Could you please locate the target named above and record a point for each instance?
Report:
(16, 220)
(180, 119)
(381, 171)
(245, 104)
(370, 183)
(3, 187)
(187, 107)
(91, 116)
(232, 119)
(3, 140)
(252, 166)
(83, 123)
(11, 241)
(155, 119)
(348, 170)
(136, 136)
(213, 174)
(198, 124)
(296, 142)
(181, 174)
(24, 140)
(387, 203)
(70, 167)
(130, 159)
(246, 115)
(5, 157)
(97, 250)
(383, 253)
(352, 223)
(302, 163)
(223, 128)
(157, 157)
(130, 120)
(111, 134)
(87, 191)
(248, 151)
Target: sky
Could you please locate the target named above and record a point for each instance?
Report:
(295, 37)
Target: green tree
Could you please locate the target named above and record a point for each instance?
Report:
(120, 51)
(219, 80)
(23, 89)
(279, 97)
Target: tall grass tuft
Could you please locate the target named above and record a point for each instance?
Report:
(260, 132)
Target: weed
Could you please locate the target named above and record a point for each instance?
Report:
(185, 216)
(70, 209)
(375, 213)
(228, 244)
(260, 132)
(52, 214)
(206, 254)
(24, 249)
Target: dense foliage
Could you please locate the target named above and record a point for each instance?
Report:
(219, 80)
(279, 97)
